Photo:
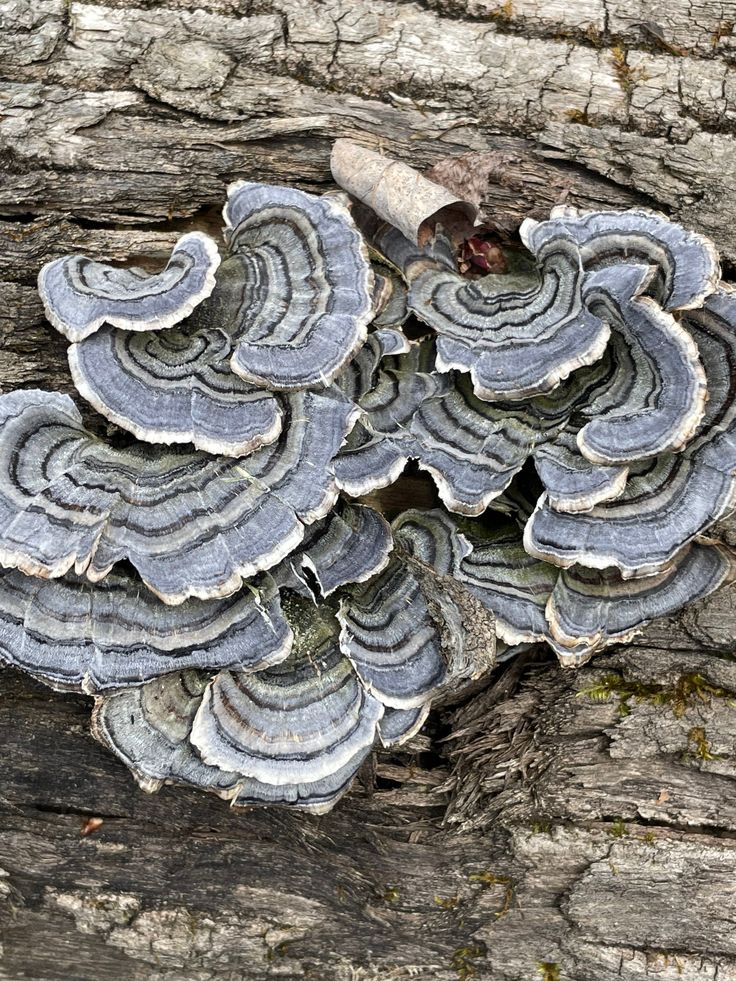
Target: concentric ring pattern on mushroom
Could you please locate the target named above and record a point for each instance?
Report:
(234, 572)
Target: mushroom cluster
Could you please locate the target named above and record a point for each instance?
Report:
(221, 579)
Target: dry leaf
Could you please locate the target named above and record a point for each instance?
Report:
(399, 194)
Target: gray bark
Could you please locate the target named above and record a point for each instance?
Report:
(557, 825)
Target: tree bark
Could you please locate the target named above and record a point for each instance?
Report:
(569, 826)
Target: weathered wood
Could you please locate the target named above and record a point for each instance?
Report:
(570, 826)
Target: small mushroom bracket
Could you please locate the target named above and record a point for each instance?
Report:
(80, 295)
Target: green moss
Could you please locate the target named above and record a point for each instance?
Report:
(618, 829)
(488, 879)
(626, 76)
(391, 894)
(549, 971)
(689, 689)
(447, 902)
(541, 827)
(462, 961)
(697, 737)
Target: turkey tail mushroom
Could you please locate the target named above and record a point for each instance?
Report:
(407, 631)
(571, 482)
(509, 582)
(76, 636)
(381, 443)
(176, 386)
(389, 299)
(589, 609)
(289, 309)
(149, 729)
(687, 266)
(398, 726)
(671, 499)
(310, 285)
(660, 415)
(588, 394)
(472, 449)
(80, 295)
(193, 525)
(298, 722)
(348, 546)
(517, 338)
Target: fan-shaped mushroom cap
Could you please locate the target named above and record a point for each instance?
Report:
(148, 728)
(666, 400)
(389, 299)
(399, 725)
(297, 722)
(345, 547)
(433, 550)
(82, 637)
(391, 341)
(379, 446)
(471, 448)
(391, 638)
(623, 376)
(360, 375)
(80, 295)
(509, 582)
(191, 524)
(317, 797)
(687, 263)
(432, 537)
(670, 500)
(369, 461)
(404, 630)
(573, 483)
(176, 386)
(590, 608)
(309, 285)
(151, 385)
(402, 383)
(516, 338)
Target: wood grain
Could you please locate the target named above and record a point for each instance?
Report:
(564, 826)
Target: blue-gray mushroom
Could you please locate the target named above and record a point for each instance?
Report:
(80, 295)
(80, 636)
(685, 264)
(307, 294)
(578, 413)
(670, 499)
(193, 525)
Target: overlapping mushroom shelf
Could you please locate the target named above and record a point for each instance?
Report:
(249, 628)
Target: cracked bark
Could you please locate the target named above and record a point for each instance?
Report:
(571, 826)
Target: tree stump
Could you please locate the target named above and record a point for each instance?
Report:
(557, 825)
